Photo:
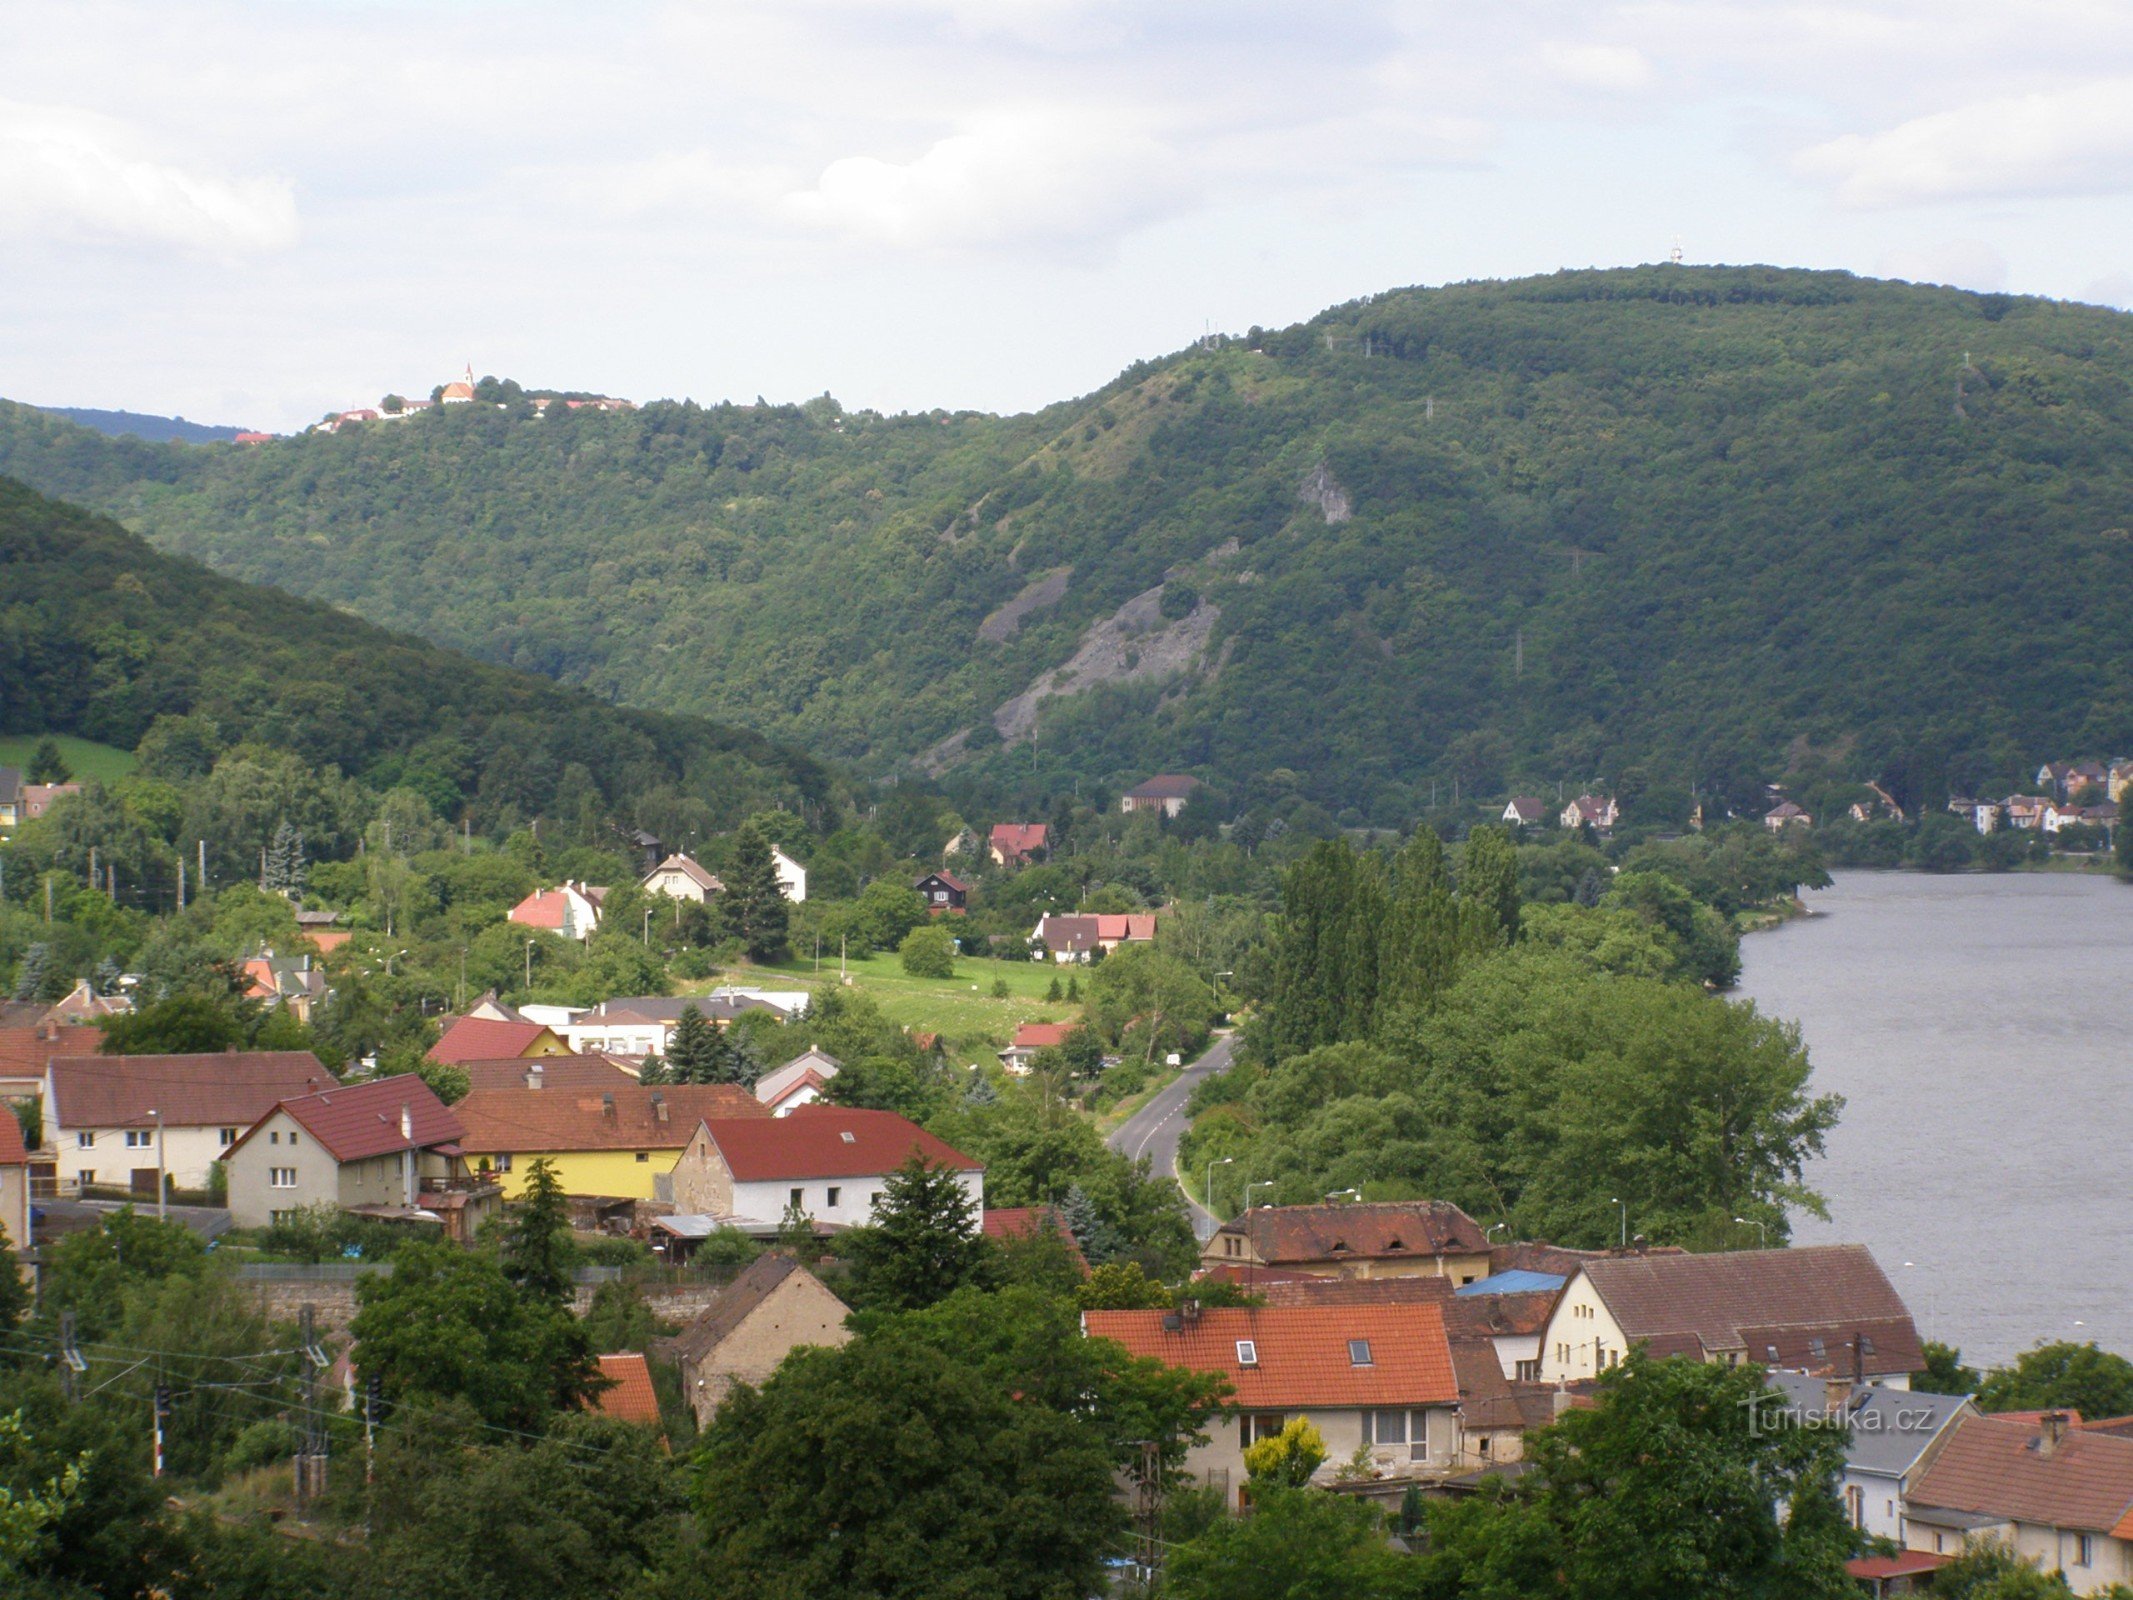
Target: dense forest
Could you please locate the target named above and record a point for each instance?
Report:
(1674, 526)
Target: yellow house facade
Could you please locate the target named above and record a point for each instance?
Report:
(615, 1143)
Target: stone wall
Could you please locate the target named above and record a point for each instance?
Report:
(336, 1301)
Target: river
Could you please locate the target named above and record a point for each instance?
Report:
(1980, 1030)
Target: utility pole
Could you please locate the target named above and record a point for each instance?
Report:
(72, 1364)
(373, 1403)
(200, 887)
(311, 1455)
(181, 883)
(1148, 1508)
(93, 874)
(162, 1415)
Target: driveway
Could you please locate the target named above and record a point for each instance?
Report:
(1154, 1130)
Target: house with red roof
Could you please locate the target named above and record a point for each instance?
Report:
(830, 1163)
(2061, 1495)
(1030, 1037)
(1017, 844)
(1374, 1379)
(570, 909)
(1001, 1224)
(14, 1184)
(629, 1395)
(1081, 936)
(493, 1039)
(603, 1141)
(388, 1148)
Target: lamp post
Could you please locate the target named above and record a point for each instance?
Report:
(647, 925)
(1249, 1187)
(1352, 1194)
(1617, 1200)
(1209, 1191)
(1762, 1231)
(162, 1172)
(462, 976)
(529, 966)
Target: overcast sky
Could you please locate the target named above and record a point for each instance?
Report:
(253, 213)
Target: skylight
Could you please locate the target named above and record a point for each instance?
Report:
(1247, 1353)
(1359, 1352)
(849, 1138)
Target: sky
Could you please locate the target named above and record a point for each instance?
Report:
(256, 213)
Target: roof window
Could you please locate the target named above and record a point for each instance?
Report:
(848, 1137)
(1817, 1349)
(1359, 1352)
(1247, 1353)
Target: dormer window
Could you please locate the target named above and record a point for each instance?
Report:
(1247, 1353)
(1396, 1244)
(1359, 1352)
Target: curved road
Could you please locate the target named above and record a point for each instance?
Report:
(1154, 1130)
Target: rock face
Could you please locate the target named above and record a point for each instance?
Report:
(1320, 489)
(1133, 644)
(1046, 590)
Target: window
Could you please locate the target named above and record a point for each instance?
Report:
(1385, 1427)
(1247, 1349)
(1855, 1506)
(2084, 1551)
(85, 1141)
(500, 1163)
(644, 1155)
(88, 1177)
(1256, 1425)
(834, 1193)
(274, 1138)
(228, 1135)
(1359, 1352)
(139, 1139)
(796, 1198)
(281, 1177)
(292, 1136)
(1529, 1371)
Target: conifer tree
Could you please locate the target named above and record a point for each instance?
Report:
(537, 1250)
(47, 765)
(1312, 948)
(1419, 946)
(285, 869)
(33, 972)
(981, 1092)
(695, 1051)
(754, 905)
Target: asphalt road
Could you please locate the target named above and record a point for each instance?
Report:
(1154, 1130)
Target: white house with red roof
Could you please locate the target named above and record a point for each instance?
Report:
(1374, 1379)
(1598, 812)
(798, 1083)
(120, 1121)
(683, 877)
(386, 1148)
(569, 909)
(831, 1162)
(1030, 1037)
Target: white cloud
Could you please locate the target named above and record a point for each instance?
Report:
(2072, 140)
(1011, 179)
(1610, 68)
(72, 175)
(1960, 263)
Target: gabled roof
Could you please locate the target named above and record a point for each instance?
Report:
(692, 869)
(1020, 838)
(361, 1120)
(1397, 1229)
(1165, 786)
(230, 1090)
(1516, 1281)
(1042, 1035)
(630, 1396)
(595, 1072)
(24, 1051)
(483, 1039)
(1071, 932)
(819, 1141)
(947, 880)
(1890, 1428)
(1527, 808)
(1303, 1355)
(626, 1117)
(1757, 1301)
(734, 1304)
(810, 1066)
(1995, 1466)
(1020, 1222)
(13, 1152)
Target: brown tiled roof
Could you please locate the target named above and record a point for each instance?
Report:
(1165, 786)
(1019, 1222)
(630, 1394)
(594, 1072)
(1386, 1230)
(1487, 1399)
(1303, 1354)
(1992, 1466)
(1750, 1300)
(230, 1090)
(361, 1120)
(733, 1305)
(692, 869)
(486, 1039)
(13, 1152)
(1019, 838)
(1279, 1288)
(24, 1051)
(626, 1117)
(822, 1141)
(1499, 1316)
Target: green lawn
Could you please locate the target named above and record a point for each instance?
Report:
(961, 1009)
(88, 758)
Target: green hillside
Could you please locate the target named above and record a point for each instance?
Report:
(1661, 527)
(100, 636)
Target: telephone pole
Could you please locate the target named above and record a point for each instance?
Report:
(162, 1415)
(311, 1454)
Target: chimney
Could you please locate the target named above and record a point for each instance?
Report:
(2051, 1433)
(1836, 1397)
(533, 1076)
(607, 1106)
(659, 1105)
(1191, 1312)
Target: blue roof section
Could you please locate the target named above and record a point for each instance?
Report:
(1514, 1283)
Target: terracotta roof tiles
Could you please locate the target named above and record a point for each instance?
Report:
(1404, 1228)
(1334, 1356)
(820, 1141)
(233, 1089)
(1996, 1466)
(626, 1117)
(360, 1120)
(630, 1395)
(487, 1039)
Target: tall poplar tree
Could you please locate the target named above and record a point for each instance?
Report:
(1488, 877)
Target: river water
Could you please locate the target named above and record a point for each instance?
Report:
(1980, 1030)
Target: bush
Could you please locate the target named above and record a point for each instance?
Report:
(613, 1252)
(261, 1444)
(324, 1232)
(928, 952)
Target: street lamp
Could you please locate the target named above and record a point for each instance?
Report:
(1489, 1233)
(529, 966)
(648, 925)
(1617, 1200)
(1209, 1191)
(1762, 1229)
(1353, 1194)
(1248, 1188)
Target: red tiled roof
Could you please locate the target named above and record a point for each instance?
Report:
(947, 880)
(1303, 1356)
(230, 1090)
(595, 1072)
(1910, 1564)
(1165, 786)
(486, 1039)
(1992, 1466)
(544, 908)
(13, 1152)
(1020, 838)
(818, 1141)
(531, 1121)
(1042, 1035)
(631, 1395)
(362, 1120)
(24, 1051)
(1019, 1222)
(1396, 1229)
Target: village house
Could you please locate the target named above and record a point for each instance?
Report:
(798, 1083)
(1167, 793)
(1895, 1433)
(1597, 812)
(570, 909)
(681, 877)
(2117, 779)
(474, 1038)
(388, 1148)
(792, 877)
(1372, 1379)
(2025, 810)
(574, 1072)
(2065, 779)
(630, 1395)
(1017, 844)
(772, 1309)
(2061, 1496)
(14, 1186)
(618, 1144)
(643, 1025)
(293, 983)
(1787, 815)
(27, 1047)
(1401, 1238)
(1029, 1038)
(1079, 937)
(1878, 804)
(829, 1163)
(37, 798)
(113, 1120)
(1819, 1308)
(943, 892)
(1524, 811)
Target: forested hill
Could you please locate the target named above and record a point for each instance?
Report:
(100, 635)
(1658, 526)
(144, 425)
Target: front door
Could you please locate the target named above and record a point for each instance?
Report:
(144, 1181)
